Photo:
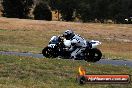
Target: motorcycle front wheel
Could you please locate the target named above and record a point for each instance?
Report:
(48, 53)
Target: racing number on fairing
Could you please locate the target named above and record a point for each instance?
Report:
(52, 45)
(78, 40)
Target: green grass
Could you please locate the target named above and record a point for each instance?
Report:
(25, 40)
(22, 41)
(27, 72)
(32, 36)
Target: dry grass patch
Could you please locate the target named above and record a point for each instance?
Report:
(115, 38)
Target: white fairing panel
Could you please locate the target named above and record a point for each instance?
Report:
(67, 43)
(95, 43)
(52, 38)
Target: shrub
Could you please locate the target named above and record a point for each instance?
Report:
(42, 12)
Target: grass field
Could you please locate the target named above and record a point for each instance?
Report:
(31, 36)
(26, 72)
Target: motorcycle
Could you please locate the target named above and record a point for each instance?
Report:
(58, 46)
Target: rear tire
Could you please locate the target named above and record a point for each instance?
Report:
(94, 55)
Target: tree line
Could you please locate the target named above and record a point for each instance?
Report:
(84, 10)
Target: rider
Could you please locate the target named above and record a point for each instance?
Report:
(78, 44)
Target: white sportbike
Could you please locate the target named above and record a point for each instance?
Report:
(58, 47)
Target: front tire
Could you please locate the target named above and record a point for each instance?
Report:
(49, 52)
(46, 52)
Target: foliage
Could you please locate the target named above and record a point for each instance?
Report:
(42, 12)
(117, 10)
(85, 10)
(65, 7)
(89, 10)
(16, 8)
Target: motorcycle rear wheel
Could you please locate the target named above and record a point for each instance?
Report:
(94, 55)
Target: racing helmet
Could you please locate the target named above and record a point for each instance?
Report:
(68, 34)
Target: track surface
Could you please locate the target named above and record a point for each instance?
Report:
(102, 61)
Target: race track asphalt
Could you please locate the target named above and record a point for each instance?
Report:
(102, 61)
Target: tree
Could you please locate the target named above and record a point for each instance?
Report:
(84, 12)
(65, 7)
(117, 10)
(16, 8)
(42, 11)
(89, 10)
